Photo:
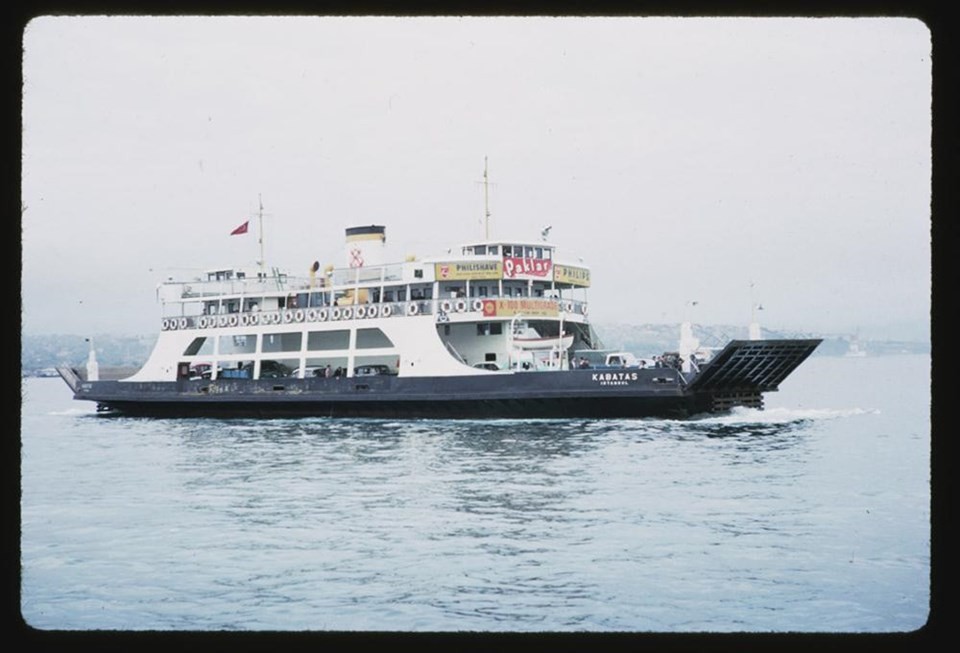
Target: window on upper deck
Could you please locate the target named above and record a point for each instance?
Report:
(492, 249)
(480, 250)
(507, 250)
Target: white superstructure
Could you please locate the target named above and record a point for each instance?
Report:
(456, 314)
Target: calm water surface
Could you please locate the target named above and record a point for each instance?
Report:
(811, 516)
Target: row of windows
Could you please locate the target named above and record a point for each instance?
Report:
(515, 251)
(288, 342)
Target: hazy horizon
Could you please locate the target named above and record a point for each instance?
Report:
(727, 161)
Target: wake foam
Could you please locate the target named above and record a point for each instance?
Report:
(782, 415)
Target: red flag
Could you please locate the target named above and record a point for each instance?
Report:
(242, 229)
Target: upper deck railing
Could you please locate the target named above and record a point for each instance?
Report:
(449, 309)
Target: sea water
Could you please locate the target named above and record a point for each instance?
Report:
(810, 516)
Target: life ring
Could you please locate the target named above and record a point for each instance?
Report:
(288, 316)
(254, 318)
(477, 304)
(385, 311)
(182, 323)
(322, 314)
(373, 311)
(298, 316)
(202, 321)
(244, 319)
(232, 320)
(583, 309)
(165, 325)
(222, 320)
(461, 306)
(346, 313)
(312, 315)
(568, 307)
(412, 309)
(361, 311)
(335, 314)
(275, 318)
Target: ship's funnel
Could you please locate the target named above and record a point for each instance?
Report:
(365, 246)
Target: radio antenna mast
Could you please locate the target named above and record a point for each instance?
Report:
(486, 202)
(260, 236)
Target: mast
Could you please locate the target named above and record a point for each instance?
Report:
(260, 236)
(486, 203)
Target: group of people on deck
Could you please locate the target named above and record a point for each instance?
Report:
(672, 361)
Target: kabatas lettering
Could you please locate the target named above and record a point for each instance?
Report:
(614, 378)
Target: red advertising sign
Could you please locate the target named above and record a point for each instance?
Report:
(518, 268)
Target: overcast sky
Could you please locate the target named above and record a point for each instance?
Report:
(682, 159)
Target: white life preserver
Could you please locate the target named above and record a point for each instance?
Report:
(412, 309)
(346, 313)
(232, 320)
(222, 320)
(445, 306)
(322, 315)
(244, 319)
(312, 315)
(182, 323)
(386, 310)
(288, 316)
(361, 311)
(202, 321)
(461, 306)
(335, 313)
(298, 316)
(165, 325)
(478, 304)
(583, 309)
(254, 318)
(568, 307)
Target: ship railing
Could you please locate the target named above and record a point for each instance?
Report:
(345, 277)
(197, 289)
(444, 307)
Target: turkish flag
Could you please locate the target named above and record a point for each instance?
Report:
(242, 229)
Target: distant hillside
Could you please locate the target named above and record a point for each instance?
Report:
(646, 339)
(44, 352)
(40, 354)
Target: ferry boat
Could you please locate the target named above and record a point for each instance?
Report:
(491, 329)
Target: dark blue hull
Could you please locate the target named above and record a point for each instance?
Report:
(736, 377)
